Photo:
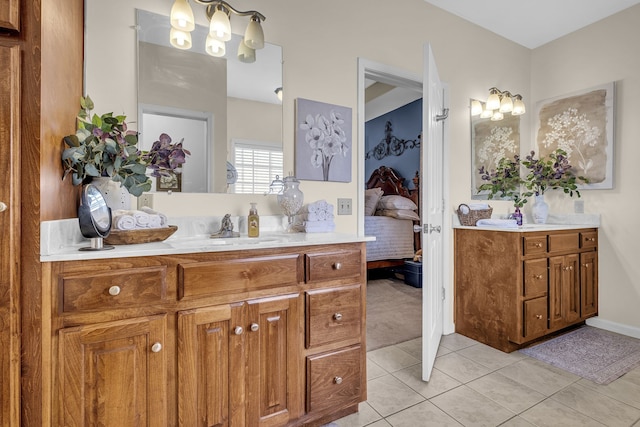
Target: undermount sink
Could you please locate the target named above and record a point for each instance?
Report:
(207, 242)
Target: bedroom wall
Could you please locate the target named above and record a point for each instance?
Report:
(406, 123)
(603, 52)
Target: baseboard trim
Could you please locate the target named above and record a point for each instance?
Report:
(619, 328)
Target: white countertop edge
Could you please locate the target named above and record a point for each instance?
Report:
(554, 222)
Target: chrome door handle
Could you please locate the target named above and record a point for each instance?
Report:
(436, 228)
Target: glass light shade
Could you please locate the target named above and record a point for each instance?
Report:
(278, 92)
(497, 115)
(220, 27)
(254, 36)
(180, 39)
(518, 107)
(506, 104)
(214, 47)
(182, 16)
(476, 107)
(486, 113)
(246, 54)
(493, 102)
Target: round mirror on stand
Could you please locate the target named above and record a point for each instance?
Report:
(94, 217)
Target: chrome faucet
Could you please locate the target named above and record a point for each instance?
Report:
(226, 228)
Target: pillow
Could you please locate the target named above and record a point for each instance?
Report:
(399, 214)
(371, 199)
(396, 202)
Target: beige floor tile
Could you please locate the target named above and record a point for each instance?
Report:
(550, 413)
(456, 342)
(516, 422)
(364, 417)
(422, 414)
(388, 395)
(437, 384)
(506, 392)
(601, 408)
(413, 347)
(381, 423)
(543, 378)
(442, 351)
(460, 368)
(490, 357)
(374, 370)
(620, 389)
(392, 358)
(470, 408)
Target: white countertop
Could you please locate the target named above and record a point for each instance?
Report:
(554, 222)
(62, 241)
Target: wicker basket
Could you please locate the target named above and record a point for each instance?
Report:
(472, 216)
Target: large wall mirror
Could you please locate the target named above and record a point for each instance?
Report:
(227, 111)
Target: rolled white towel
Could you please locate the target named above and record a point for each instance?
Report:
(123, 222)
(478, 206)
(142, 219)
(155, 221)
(319, 226)
(164, 222)
(498, 223)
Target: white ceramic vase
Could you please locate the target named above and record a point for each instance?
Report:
(540, 210)
(116, 196)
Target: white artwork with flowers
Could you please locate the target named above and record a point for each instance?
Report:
(323, 141)
(581, 124)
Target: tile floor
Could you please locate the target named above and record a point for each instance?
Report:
(474, 385)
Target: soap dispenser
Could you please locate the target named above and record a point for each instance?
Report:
(253, 221)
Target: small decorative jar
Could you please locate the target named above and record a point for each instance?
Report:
(291, 199)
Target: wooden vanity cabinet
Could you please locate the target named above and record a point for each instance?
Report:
(10, 15)
(515, 287)
(240, 338)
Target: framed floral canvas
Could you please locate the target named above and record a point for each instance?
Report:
(490, 142)
(323, 141)
(581, 124)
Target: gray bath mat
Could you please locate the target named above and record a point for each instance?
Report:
(595, 354)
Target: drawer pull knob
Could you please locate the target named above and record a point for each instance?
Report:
(114, 290)
(255, 327)
(537, 276)
(337, 316)
(538, 245)
(337, 380)
(238, 330)
(3, 206)
(337, 266)
(586, 265)
(538, 316)
(156, 347)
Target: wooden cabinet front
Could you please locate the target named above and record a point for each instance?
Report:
(10, 15)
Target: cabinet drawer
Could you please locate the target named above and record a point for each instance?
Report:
(589, 239)
(535, 277)
(333, 315)
(334, 379)
(564, 242)
(333, 265)
(237, 275)
(535, 317)
(535, 245)
(112, 289)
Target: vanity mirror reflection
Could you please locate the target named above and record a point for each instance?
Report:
(228, 112)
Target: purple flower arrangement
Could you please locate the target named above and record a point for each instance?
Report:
(165, 158)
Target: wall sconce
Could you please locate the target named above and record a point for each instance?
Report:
(218, 12)
(278, 92)
(498, 103)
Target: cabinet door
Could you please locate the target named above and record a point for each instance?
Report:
(9, 235)
(564, 291)
(589, 283)
(205, 365)
(275, 388)
(113, 374)
(10, 14)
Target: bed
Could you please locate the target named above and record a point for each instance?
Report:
(391, 219)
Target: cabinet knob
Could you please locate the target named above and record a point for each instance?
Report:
(537, 276)
(114, 290)
(538, 245)
(254, 327)
(337, 316)
(337, 380)
(337, 266)
(238, 330)
(156, 347)
(3, 206)
(586, 265)
(539, 316)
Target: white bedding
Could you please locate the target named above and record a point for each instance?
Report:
(394, 238)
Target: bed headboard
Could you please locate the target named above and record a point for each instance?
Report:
(393, 184)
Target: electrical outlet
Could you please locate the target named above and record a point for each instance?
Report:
(344, 206)
(146, 199)
(578, 206)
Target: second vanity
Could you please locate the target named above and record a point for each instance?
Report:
(514, 286)
(266, 332)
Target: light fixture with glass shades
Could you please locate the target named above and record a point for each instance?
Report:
(497, 105)
(218, 13)
(278, 92)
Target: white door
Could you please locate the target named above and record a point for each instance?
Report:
(432, 197)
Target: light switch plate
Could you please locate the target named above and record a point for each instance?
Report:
(578, 206)
(344, 206)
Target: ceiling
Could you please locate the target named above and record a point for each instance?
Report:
(532, 23)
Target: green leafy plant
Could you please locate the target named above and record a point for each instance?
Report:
(551, 173)
(504, 181)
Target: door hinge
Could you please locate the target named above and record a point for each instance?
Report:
(444, 291)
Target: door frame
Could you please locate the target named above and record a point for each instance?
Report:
(397, 76)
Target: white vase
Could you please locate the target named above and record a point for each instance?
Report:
(116, 196)
(540, 210)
